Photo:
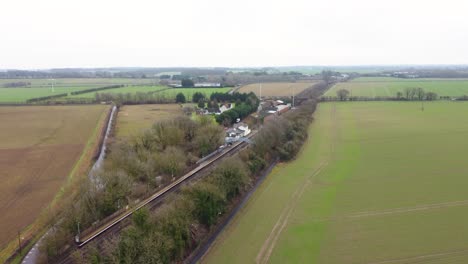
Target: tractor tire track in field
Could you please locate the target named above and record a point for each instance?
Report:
(269, 244)
(399, 210)
(409, 209)
(425, 258)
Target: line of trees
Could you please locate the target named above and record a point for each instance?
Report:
(155, 97)
(226, 97)
(419, 94)
(408, 94)
(133, 170)
(16, 84)
(44, 98)
(97, 89)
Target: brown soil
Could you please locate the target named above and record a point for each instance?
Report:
(30, 178)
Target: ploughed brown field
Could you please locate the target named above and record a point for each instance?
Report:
(277, 89)
(39, 147)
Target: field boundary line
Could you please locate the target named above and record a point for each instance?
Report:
(399, 210)
(422, 257)
(269, 244)
(409, 209)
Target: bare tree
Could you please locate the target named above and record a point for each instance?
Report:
(342, 94)
(399, 95)
(430, 96)
(420, 93)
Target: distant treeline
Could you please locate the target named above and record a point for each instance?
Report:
(97, 89)
(16, 84)
(376, 98)
(44, 98)
(408, 94)
(155, 97)
(226, 97)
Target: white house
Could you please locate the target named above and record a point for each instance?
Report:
(235, 133)
(224, 108)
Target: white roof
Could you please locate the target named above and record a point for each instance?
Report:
(281, 107)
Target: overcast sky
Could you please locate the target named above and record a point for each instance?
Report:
(105, 33)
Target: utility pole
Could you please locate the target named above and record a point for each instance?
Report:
(294, 94)
(19, 242)
(52, 85)
(260, 91)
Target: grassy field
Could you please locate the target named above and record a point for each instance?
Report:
(124, 90)
(20, 95)
(72, 82)
(276, 89)
(39, 147)
(386, 86)
(132, 119)
(43, 87)
(377, 182)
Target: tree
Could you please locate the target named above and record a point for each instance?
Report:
(188, 83)
(412, 93)
(327, 76)
(201, 104)
(407, 92)
(342, 94)
(173, 161)
(399, 95)
(180, 98)
(209, 201)
(420, 93)
(208, 138)
(430, 96)
(141, 219)
(196, 97)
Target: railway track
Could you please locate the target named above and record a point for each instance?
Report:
(116, 224)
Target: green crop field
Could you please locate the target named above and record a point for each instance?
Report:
(386, 86)
(72, 82)
(20, 95)
(377, 182)
(43, 87)
(124, 90)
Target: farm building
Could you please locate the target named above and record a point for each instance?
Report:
(270, 112)
(207, 85)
